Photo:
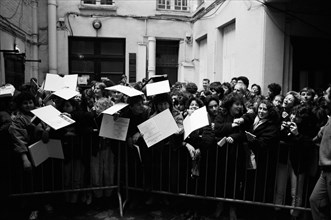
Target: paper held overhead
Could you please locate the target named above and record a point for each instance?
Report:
(52, 117)
(54, 82)
(198, 119)
(115, 108)
(66, 93)
(7, 90)
(125, 90)
(158, 88)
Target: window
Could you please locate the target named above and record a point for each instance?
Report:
(177, 5)
(95, 58)
(167, 59)
(98, 2)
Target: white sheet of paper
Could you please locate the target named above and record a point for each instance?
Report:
(222, 142)
(66, 93)
(158, 88)
(198, 119)
(115, 108)
(114, 129)
(158, 128)
(41, 151)
(125, 90)
(52, 117)
(54, 82)
(7, 91)
(250, 134)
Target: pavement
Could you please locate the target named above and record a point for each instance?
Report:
(160, 208)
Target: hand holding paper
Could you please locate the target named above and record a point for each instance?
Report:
(53, 117)
(158, 128)
(198, 119)
(40, 151)
(54, 82)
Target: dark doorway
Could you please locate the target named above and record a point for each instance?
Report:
(311, 63)
(14, 69)
(167, 59)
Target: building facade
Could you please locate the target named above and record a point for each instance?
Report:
(186, 39)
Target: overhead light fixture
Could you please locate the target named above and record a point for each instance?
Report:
(97, 24)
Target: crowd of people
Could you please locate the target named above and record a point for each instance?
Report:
(270, 138)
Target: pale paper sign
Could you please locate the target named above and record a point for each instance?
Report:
(125, 90)
(198, 119)
(41, 151)
(114, 129)
(158, 88)
(54, 82)
(7, 90)
(115, 108)
(66, 93)
(52, 117)
(158, 128)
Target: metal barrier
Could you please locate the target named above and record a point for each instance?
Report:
(224, 175)
(91, 165)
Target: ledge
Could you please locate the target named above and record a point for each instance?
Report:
(97, 7)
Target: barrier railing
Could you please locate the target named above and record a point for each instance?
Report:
(222, 173)
(223, 176)
(91, 164)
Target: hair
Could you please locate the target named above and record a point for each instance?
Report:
(244, 79)
(258, 87)
(206, 80)
(73, 102)
(273, 114)
(217, 86)
(160, 98)
(102, 86)
(296, 96)
(234, 78)
(191, 88)
(274, 88)
(230, 99)
(134, 99)
(108, 83)
(229, 86)
(24, 96)
(210, 98)
(199, 102)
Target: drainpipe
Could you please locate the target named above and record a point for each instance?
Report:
(52, 41)
(35, 55)
(151, 56)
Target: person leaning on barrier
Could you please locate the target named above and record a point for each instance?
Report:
(233, 154)
(23, 133)
(266, 128)
(320, 199)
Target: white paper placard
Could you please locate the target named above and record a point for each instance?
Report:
(158, 128)
(7, 90)
(66, 93)
(52, 117)
(125, 90)
(54, 82)
(198, 119)
(158, 88)
(115, 108)
(114, 129)
(41, 151)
